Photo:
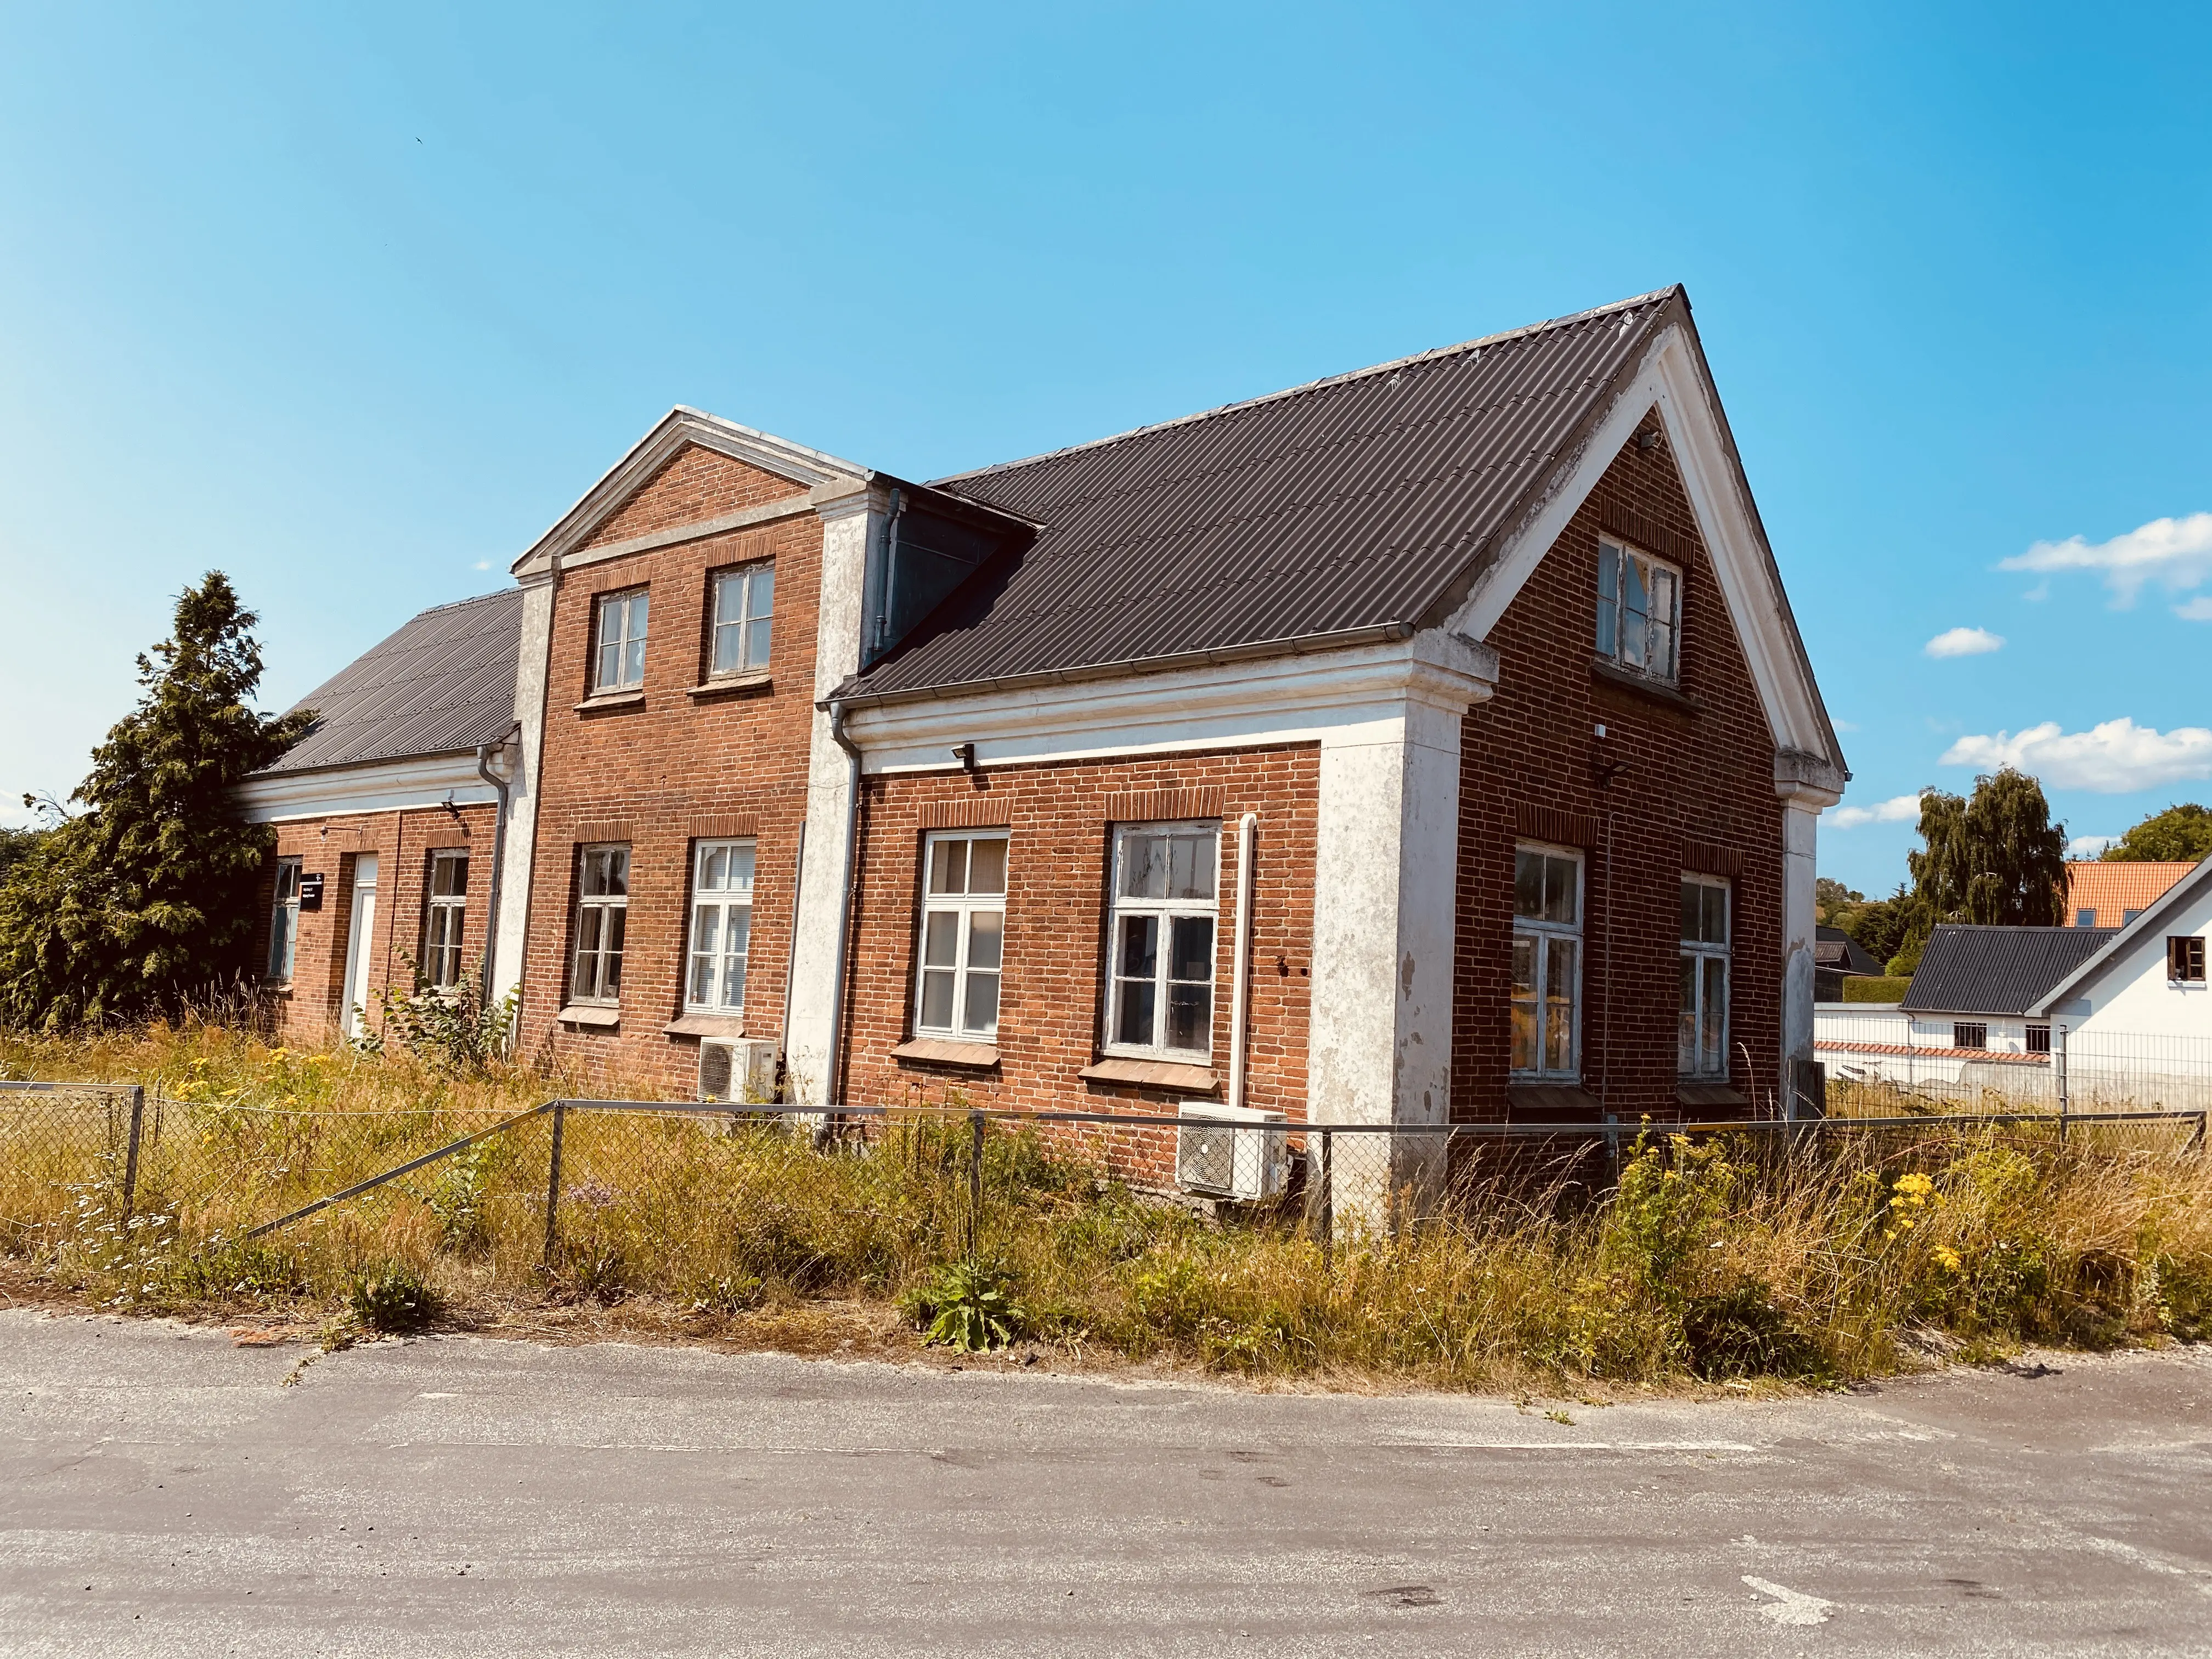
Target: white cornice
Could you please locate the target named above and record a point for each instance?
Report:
(1267, 699)
(748, 518)
(417, 781)
(1672, 378)
(807, 468)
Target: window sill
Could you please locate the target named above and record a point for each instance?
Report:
(611, 700)
(729, 685)
(946, 1051)
(1153, 1074)
(1658, 691)
(1708, 1094)
(282, 987)
(591, 1014)
(705, 1025)
(1555, 1100)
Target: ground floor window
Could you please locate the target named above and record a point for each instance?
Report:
(1547, 976)
(1701, 1049)
(963, 931)
(602, 922)
(721, 926)
(1160, 940)
(284, 921)
(1970, 1034)
(2038, 1039)
(445, 905)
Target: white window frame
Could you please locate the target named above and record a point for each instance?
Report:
(1167, 911)
(284, 922)
(964, 909)
(1697, 1067)
(754, 587)
(619, 660)
(720, 902)
(1663, 635)
(445, 918)
(1545, 937)
(609, 908)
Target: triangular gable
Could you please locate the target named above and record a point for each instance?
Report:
(807, 468)
(1673, 377)
(2179, 896)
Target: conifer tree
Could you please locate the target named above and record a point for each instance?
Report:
(147, 895)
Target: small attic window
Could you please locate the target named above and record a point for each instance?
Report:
(1639, 612)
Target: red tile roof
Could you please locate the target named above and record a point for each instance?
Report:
(2113, 889)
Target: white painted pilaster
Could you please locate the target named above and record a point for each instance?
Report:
(1808, 786)
(1386, 863)
(852, 513)
(518, 853)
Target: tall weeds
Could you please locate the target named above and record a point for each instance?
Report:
(1716, 1261)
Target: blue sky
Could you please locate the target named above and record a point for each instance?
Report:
(352, 302)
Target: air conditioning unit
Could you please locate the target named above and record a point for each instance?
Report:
(1231, 1151)
(740, 1069)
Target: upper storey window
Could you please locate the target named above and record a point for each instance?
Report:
(1639, 612)
(619, 663)
(744, 603)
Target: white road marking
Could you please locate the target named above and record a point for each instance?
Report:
(1575, 1445)
(1790, 1607)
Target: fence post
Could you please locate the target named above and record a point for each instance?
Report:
(2064, 1105)
(1328, 1202)
(1613, 1144)
(553, 1180)
(2204, 1124)
(974, 1183)
(131, 1157)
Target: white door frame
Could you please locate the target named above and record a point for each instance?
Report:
(361, 929)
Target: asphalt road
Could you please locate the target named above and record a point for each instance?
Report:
(162, 1493)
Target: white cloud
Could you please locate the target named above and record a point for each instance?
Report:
(482, 564)
(1964, 642)
(2089, 847)
(2175, 553)
(1845, 726)
(2111, 759)
(2196, 610)
(1897, 809)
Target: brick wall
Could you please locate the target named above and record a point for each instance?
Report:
(674, 769)
(1696, 793)
(1051, 1008)
(403, 842)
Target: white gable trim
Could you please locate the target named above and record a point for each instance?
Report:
(809, 469)
(1671, 377)
(2153, 920)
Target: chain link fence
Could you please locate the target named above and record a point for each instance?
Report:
(711, 1203)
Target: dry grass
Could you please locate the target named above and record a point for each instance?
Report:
(1707, 1262)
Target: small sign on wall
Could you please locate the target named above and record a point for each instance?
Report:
(311, 892)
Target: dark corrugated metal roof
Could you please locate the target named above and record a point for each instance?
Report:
(443, 682)
(1353, 503)
(1996, 970)
(1833, 948)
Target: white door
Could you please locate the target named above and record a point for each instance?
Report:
(353, 1018)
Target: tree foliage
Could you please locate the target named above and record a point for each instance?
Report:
(2180, 833)
(147, 895)
(1995, 859)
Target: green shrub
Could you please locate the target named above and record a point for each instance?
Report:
(394, 1300)
(968, 1305)
(1871, 987)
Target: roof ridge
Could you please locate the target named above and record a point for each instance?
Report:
(1394, 364)
(456, 604)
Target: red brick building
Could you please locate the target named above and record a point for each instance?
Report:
(1431, 743)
